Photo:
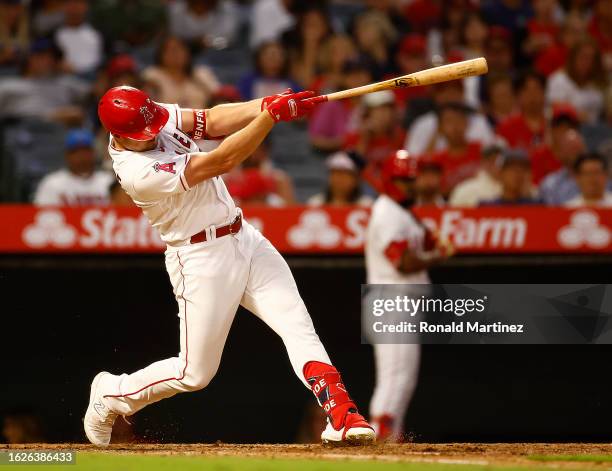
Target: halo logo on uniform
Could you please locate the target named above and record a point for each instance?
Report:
(314, 228)
(146, 115)
(165, 167)
(49, 228)
(584, 229)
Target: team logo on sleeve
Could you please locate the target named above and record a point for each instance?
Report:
(158, 167)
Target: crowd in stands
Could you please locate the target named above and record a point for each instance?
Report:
(537, 129)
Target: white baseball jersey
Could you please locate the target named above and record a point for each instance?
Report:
(156, 182)
(64, 188)
(390, 223)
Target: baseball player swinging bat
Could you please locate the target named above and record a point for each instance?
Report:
(443, 73)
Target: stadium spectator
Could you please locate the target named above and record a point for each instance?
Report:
(119, 70)
(258, 180)
(428, 184)
(251, 186)
(271, 74)
(515, 179)
(14, 32)
(204, 23)
(544, 157)
(600, 28)
(542, 28)
(560, 186)
(304, 45)
(79, 184)
(81, 43)
(336, 52)
(424, 135)
(118, 197)
(554, 57)
(269, 20)
(500, 99)
(461, 158)
(526, 128)
(581, 83)
(410, 58)
(474, 34)
(42, 91)
(511, 14)
(174, 79)
(343, 183)
(332, 121)
(374, 34)
(48, 15)
(444, 39)
(133, 23)
(591, 172)
(379, 132)
(484, 186)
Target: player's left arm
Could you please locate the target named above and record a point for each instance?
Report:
(223, 120)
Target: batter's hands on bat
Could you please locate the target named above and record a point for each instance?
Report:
(267, 100)
(292, 106)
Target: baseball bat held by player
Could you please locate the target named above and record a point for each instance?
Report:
(443, 73)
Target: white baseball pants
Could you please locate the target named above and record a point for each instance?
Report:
(210, 280)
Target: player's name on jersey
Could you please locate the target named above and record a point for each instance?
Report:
(455, 327)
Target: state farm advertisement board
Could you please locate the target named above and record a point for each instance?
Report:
(303, 230)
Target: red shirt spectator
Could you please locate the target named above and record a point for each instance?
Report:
(518, 133)
(544, 159)
(458, 164)
(380, 132)
(526, 128)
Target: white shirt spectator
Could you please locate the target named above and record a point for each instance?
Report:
(588, 101)
(472, 191)
(269, 19)
(81, 46)
(423, 129)
(578, 201)
(63, 188)
(218, 27)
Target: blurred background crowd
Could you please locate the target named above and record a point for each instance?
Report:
(535, 130)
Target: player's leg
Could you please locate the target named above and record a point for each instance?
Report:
(207, 305)
(272, 295)
(397, 367)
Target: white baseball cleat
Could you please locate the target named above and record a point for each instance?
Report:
(99, 419)
(354, 432)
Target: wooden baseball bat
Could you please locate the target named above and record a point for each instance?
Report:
(443, 73)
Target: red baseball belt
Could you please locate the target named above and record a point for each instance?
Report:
(221, 231)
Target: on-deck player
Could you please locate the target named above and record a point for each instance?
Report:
(399, 250)
(215, 259)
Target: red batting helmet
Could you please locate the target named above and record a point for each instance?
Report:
(400, 164)
(129, 112)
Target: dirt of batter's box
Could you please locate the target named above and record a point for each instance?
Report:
(466, 453)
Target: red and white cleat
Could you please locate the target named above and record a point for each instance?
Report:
(356, 431)
(99, 419)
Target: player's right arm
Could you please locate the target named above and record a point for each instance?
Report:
(230, 153)
(240, 145)
(408, 260)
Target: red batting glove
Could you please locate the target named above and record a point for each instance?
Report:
(267, 100)
(291, 107)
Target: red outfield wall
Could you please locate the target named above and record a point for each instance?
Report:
(304, 230)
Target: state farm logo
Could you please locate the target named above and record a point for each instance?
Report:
(314, 228)
(96, 229)
(584, 229)
(49, 228)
